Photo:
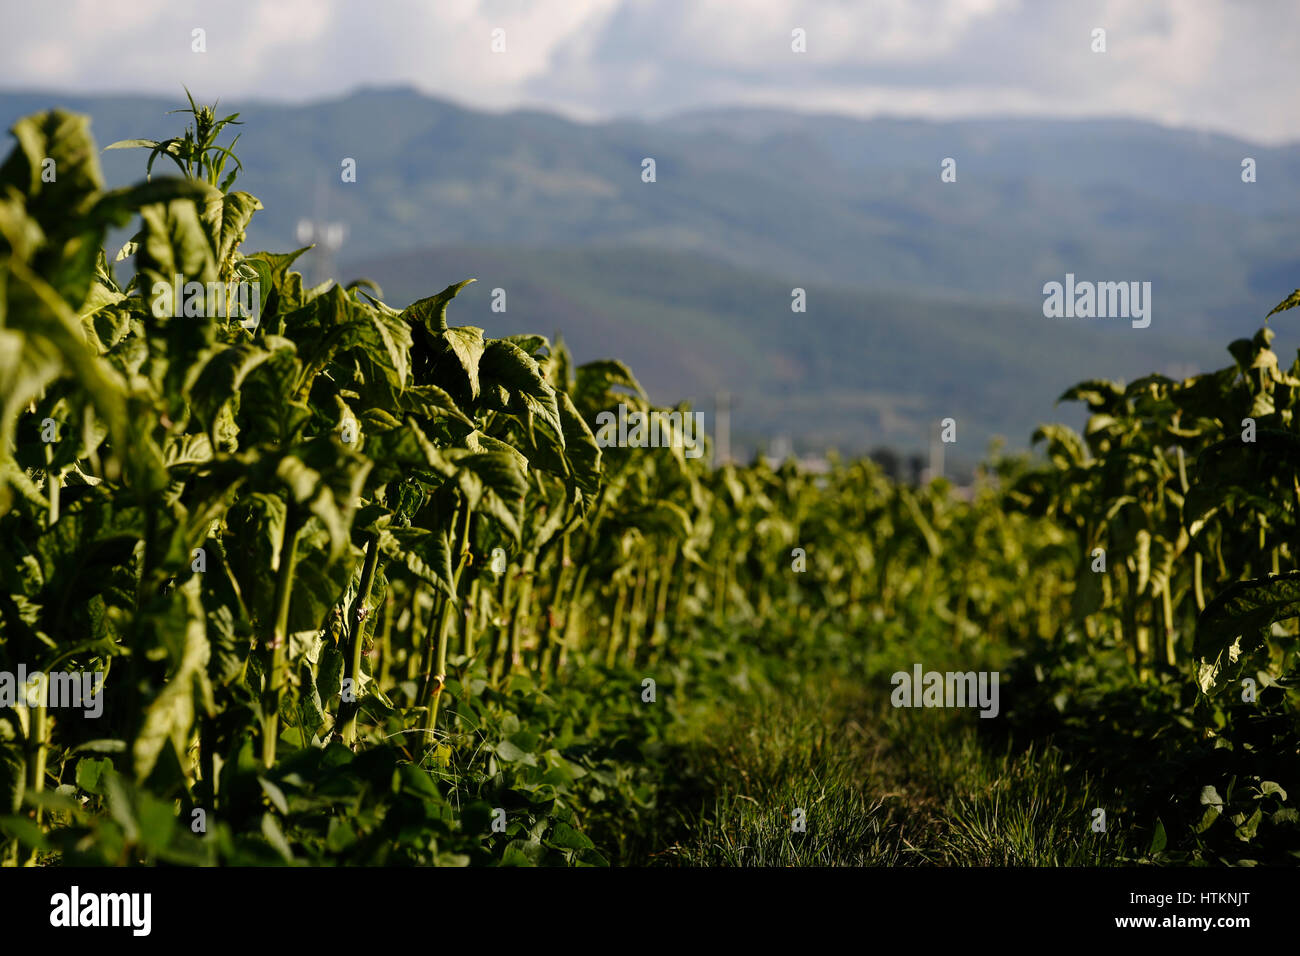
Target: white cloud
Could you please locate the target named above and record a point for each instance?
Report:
(1214, 64)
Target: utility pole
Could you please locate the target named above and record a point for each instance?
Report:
(936, 454)
(328, 237)
(721, 429)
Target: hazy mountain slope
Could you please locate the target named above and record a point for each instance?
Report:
(857, 370)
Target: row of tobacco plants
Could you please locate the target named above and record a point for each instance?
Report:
(363, 587)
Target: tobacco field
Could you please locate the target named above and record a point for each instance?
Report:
(364, 587)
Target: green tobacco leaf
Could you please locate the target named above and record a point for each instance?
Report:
(1246, 830)
(1233, 624)
(432, 311)
(426, 554)
(58, 141)
(531, 344)
(333, 324)
(386, 339)
(275, 836)
(1247, 605)
(578, 458)
(90, 773)
(52, 329)
(321, 577)
(256, 527)
(1233, 470)
(284, 292)
(178, 626)
(183, 327)
(221, 379)
(268, 411)
(132, 144)
(1290, 302)
(1064, 445)
(330, 497)
(442, 356)
(494, 483)
(1100, 394)
(78, 554)
(430, 401)
(455, 355)
(567, 838)
(509, 366)
(116, 206)
(581, 449)
(478, 442)
(395, 451)
(1275, 453)
(664, 518)
(1271, 787)
(595, 379)
(226, 216)
(261, 269)
(175, 242)
(1159, 839)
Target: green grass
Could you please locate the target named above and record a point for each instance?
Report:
(878, 786)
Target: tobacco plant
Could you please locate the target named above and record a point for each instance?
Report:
(357, 578)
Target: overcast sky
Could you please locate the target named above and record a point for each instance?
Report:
(1225, 65)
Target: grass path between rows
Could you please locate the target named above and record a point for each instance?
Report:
(877, 786)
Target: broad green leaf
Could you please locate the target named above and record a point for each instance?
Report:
(1100, 395)
(226, 216)
(1159, 839)
(90, 773)
(1290, 302)
(221, 380)
(178, 626)
(430, 401)
(509, 366)
(567, 838)
(1232, 624)
(432, 311)
(64, 139)
(426, 554)
(1064, 445)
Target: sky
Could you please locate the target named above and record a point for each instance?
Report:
(1227, 66)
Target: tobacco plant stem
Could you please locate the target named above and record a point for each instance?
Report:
(661, 599)
(38, 735)
(572, 619)
(348, 711)
(1167, 609)
(39, 724)
(277, 669)
(559, 602)
(471, 618)
(519, 620)
(636, 619)
(439, 678)
(616, 625)
(52, 480)
(500, 637)
(385, 640)
(1198, 564)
